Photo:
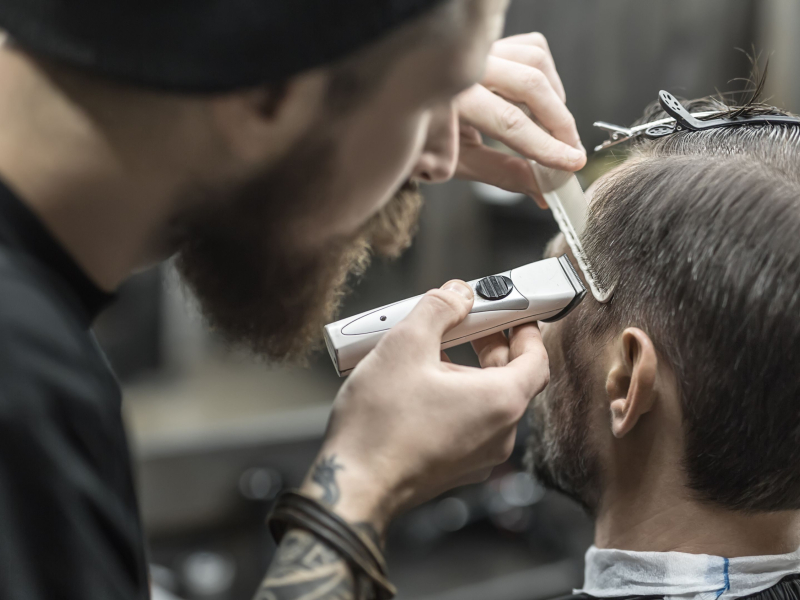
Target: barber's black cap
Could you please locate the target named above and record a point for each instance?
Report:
(201, 45)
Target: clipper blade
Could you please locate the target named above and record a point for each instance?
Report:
(567, 202)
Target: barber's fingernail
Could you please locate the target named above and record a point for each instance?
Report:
(539, 199)
(574, 155)
(460, 287)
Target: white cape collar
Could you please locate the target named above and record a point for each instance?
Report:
(681, 576)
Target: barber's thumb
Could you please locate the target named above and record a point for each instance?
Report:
(440, 310)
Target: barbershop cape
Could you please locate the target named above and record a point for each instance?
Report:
(611, 573)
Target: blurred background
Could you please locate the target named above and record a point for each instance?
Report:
(217, 435)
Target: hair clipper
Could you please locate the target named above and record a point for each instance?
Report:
(546, 290)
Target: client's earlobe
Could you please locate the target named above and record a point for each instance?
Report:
(630, 384)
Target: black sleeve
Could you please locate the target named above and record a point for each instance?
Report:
(69, 525)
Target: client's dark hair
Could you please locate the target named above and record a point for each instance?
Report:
(701, 232)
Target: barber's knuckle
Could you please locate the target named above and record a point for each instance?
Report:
(541, 358)
(512, 120)
(545, 377)
(443, 301)
(436, 300)
(540, 56)
(535, 81)
(544, 363)
(538, 38)
(534, 57)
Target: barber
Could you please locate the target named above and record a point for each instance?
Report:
(261, 143)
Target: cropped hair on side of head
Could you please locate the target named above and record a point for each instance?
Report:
(701, 232)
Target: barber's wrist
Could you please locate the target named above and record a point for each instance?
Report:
(354, 492)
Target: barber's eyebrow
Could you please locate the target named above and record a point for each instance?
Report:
(551, 249)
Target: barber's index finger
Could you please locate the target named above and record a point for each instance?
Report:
(528, 368)
(501, 120)
(531, 87)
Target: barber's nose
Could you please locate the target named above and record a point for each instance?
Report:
(440, 154)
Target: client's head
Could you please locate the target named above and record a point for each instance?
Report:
(688, 381)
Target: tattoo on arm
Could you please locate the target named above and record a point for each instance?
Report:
(304, 568)
(324, 475)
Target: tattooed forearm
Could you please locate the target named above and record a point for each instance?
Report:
(324, 475)
(306, 569)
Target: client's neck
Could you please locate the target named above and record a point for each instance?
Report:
(652, 520)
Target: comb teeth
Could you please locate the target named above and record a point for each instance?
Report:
(600, 292)
(567, 202)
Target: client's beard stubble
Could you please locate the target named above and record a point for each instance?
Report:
(255, 288)
(560, 452)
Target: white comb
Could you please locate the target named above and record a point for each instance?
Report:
(567, 202)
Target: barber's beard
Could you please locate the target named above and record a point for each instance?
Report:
(560, 452)
(256, 288)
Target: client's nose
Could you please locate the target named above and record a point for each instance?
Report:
(440, 154)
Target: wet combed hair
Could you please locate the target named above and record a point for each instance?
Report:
(701, 232)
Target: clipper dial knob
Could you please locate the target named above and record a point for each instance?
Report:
(494, 287)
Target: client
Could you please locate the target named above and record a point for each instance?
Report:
(673, 412)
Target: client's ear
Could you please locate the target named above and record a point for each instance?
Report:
(631, 380)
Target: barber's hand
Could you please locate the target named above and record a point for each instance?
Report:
(521, 70)
(408, 424)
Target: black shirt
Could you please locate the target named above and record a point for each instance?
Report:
(69, 522)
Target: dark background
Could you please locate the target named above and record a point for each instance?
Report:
(216, 435)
